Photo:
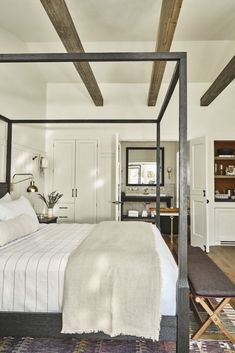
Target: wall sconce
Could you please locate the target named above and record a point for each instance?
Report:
(31, 188)
(43, 163)
(169, 171)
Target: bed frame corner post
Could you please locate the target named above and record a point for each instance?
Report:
(183, 288)
(158, 151)
(9, 151)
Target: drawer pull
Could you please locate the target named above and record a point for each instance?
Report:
(63, 216)
(63, 208)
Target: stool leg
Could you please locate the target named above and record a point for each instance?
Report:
(213, 317)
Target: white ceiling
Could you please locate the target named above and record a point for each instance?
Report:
(118, 25)
(121, 20)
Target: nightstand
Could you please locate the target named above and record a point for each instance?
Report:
(47, 220)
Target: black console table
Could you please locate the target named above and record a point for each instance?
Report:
(146, 198)
(165, 221)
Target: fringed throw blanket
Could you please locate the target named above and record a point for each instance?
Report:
(113, 282)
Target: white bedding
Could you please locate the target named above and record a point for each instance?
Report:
(32, 269)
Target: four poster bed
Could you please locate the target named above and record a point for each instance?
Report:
(49, 322)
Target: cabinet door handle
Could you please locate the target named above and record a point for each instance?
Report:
(72, 192)
(76, 192)
(63, 208)
(204, 193)
(63, 216)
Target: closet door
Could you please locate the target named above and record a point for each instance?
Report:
(64, 178)
(86, 181)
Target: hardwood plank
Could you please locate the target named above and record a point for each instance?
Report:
(62, 21)
(168, 20)
(226, 76)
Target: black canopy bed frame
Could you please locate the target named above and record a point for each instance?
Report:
(13, 323)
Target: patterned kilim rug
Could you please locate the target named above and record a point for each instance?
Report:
(72, 345)
(212, 342)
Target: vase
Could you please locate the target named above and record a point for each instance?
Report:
(50, 212)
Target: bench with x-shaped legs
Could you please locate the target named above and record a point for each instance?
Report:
(207, 281)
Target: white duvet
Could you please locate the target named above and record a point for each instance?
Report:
(32, 269)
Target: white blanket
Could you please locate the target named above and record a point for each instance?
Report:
(113, 282)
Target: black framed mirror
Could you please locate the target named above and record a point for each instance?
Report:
(141, 169)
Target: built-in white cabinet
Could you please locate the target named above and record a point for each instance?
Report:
(212, 192)
(75, 166)
(225, 224)
(64, 169)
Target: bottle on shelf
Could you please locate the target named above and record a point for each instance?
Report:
(216, 168)
(221, 169)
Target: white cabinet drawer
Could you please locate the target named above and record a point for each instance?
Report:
(65, 213)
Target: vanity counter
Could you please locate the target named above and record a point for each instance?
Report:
(146, 198)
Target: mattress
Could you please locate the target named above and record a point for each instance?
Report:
(32, 269)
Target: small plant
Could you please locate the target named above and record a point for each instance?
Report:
(51, 199)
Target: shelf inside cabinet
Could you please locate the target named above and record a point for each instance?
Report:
(225, 176)
(224, 158)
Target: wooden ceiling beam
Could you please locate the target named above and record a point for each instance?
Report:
(61, 19)
(168, 20)
(226, 76)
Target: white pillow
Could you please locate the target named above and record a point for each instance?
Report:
(12, 209)
(6, 197)
(16, 228)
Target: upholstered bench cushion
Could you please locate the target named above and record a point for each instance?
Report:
(206, 278)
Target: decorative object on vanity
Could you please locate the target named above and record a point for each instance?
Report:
(50, 201)
(152, 211)
(31, 188)
(133, 213)
(145, 211)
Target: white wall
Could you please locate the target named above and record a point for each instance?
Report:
(22, 89)
(129, 101)
(28, 142)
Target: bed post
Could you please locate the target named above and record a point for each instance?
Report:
(183, 289)
(9, 150)
(5, 185)
(158, 176)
